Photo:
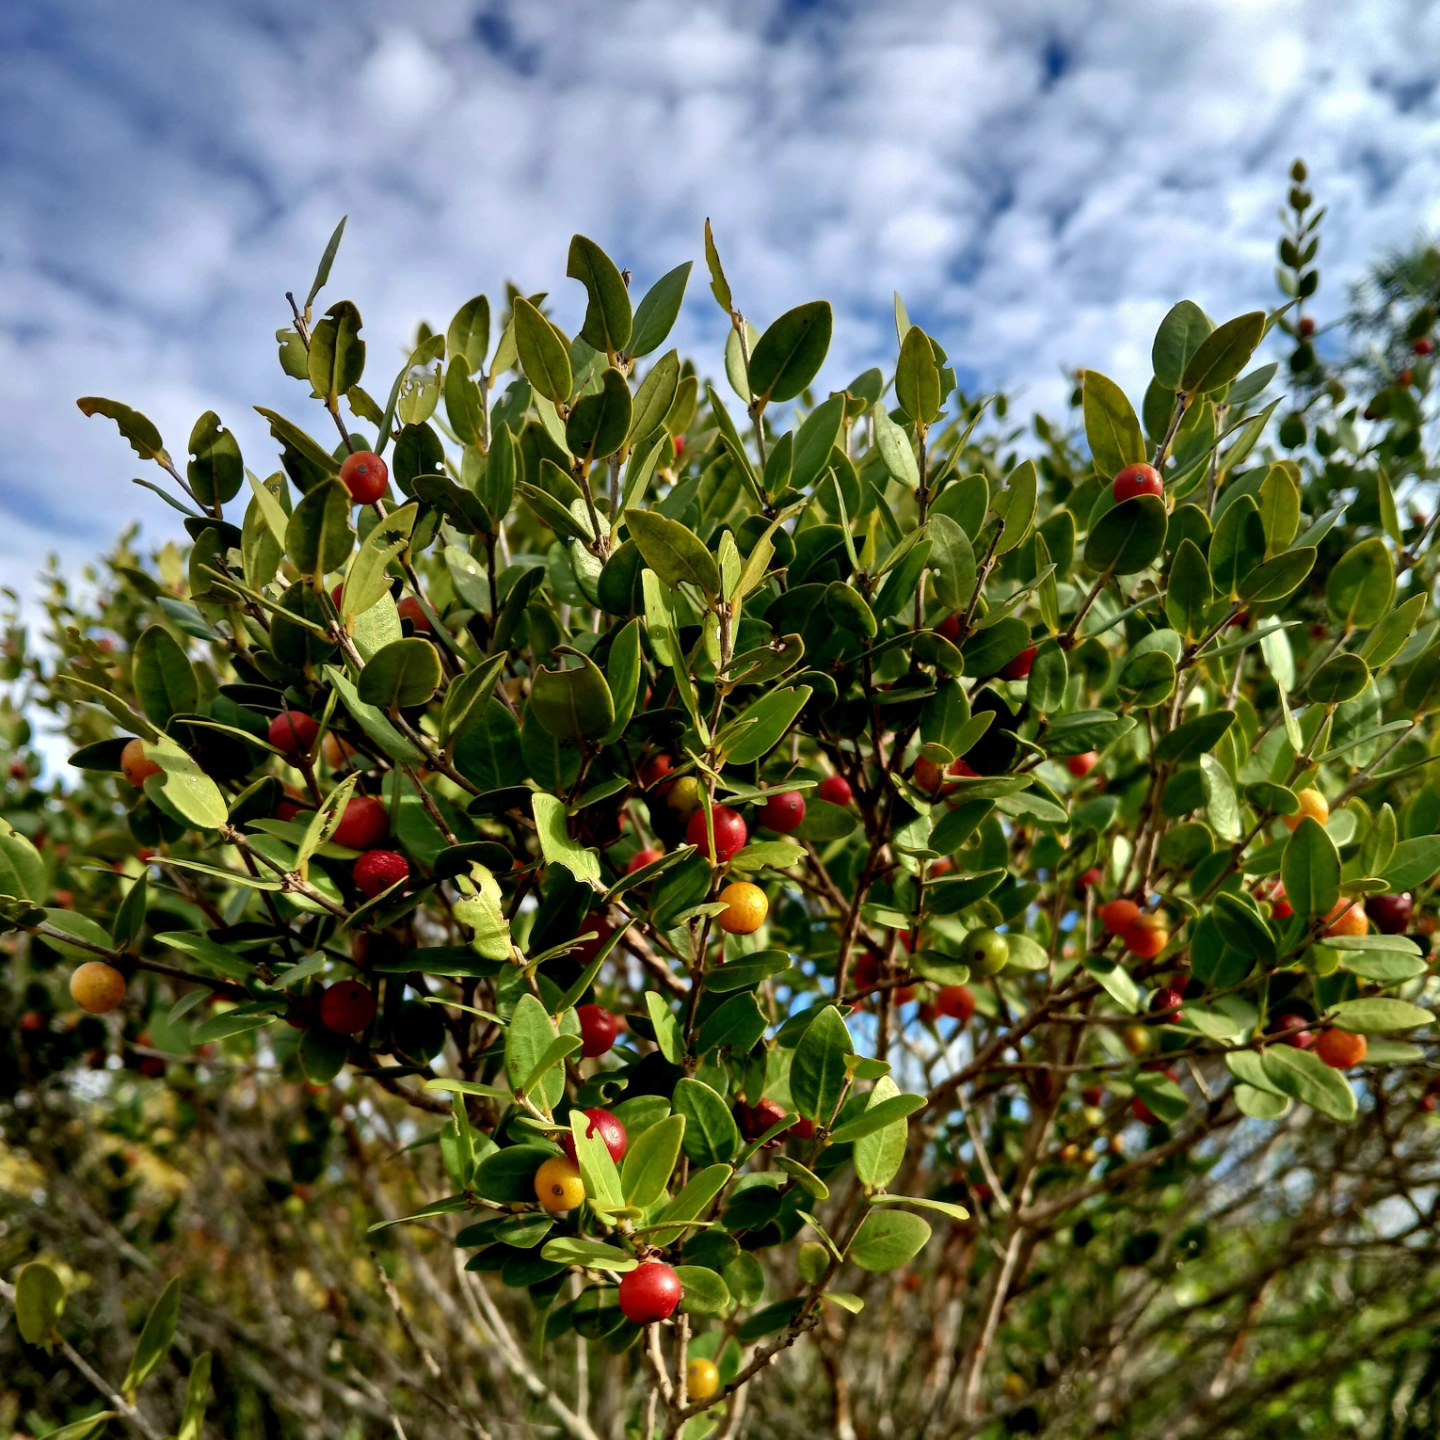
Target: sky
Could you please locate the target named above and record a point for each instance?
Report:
(1040, 180)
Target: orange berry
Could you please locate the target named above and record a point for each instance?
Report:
(1313, 804)
(1147, 937)
(745, 908)
(1341, 1050)
(1117, 916)
(1347, 918)
(97, 987)
(136, 764)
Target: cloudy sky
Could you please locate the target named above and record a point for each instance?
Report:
(1040, 179)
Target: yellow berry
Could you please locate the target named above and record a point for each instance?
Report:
(558, 1186)
(683, 796)
(745, 908)
(702, 1379)
(97, 987)
(1313, 804)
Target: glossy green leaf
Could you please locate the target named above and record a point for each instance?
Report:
(608, 321)
(405, 673)
(790, 353)
(1111, 426)
(818, 1069)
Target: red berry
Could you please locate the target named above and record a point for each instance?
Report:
(1424, 346)
(606, 1127)
(650, 1292)
(587, 950)
(347, 1007)
(927, 776)
(1391, 913)
(1091, 877)
(412, 610)
(1300, 1038)
(598, 1029)
(1022, 664)
(1307, 326)
(1280, 907)
(1137, 480)
(755, 1120)
(949, 627)
(1081, 765)
(293, 733)
(377, 870)
(364, 824)
(730, 833)
(1167, 1002)
(1406, 378)
(654, 770)
(642, 858)
(964, 769)
(679, 443)
(783, 813)
(365, 475)
(956, 1001)
(836, 790)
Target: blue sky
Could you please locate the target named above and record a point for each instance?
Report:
(1041, 180)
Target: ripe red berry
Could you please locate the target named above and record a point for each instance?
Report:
(1406, 378)
(1022, 664)
(412, 610)
(949, 627)
(1091, 878)
(364, 824)
(755, 1120)
(1391, 913)
(679, 443)
(836, 790)
(655, 769)
(293, 733)
(347, 1007)
(1307, 326)
(1280, 907)
(650, 1292)
(1136, 480)
(956, 1001)
(783, 813)
(1424, 346)
(1167, 1002)
(602, 930)
(365, 475)
(964, 769)
(927, 776)
(377, 870)
(731, 833)
(1081, 765)
(1301, 1039)
(642, 858)
(598, 1030)
(602, 1125)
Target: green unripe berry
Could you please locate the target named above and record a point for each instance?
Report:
(986, 952)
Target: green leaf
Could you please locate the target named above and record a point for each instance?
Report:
(39, 1299)
(608, 318)
(693, 1201)
(372, 721)
(90, 1425)
(924, 1202)
(711, 1136)
(197, 1397)
(888, 1239)
(1194, 738)
(599, 423)
(654, 398)
(187, 788)
(1128, 537)
(573, 704)
(1361, 587)
(896, 449)
(543, 354)
(1413, 864)
(552, 827)
(165, 683)
(1310, 870)
(818, 1069)
(402, 674)
(917, 377)
(1223, 354)
(216, 471)
(319, 535)
(597, 1166)
(1116, 981)
(1188, 591)
(555, 1054)
(1045, 692)
(761, 727)
(337, 353)
(589, 1254)
(1111, 426)
(650, 1162)
(673, 552)
(1237, 546)
(322, 271)
(462, 402)
(1341, 678)
(657, 312)
(368, 579)
(816, 438)
(1181, 333)
(155, 1339)
(879, 1134)
(22, 870)
(790, 353)
(1379, 1015)
(1242, 929)
(530, 1036)
(144, 438)
(1304, 1076)
(706, 1293)
(468, 337)
(1222, 805)
(1278, 577)
(1015, 505)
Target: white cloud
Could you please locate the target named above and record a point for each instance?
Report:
(1039, 180)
